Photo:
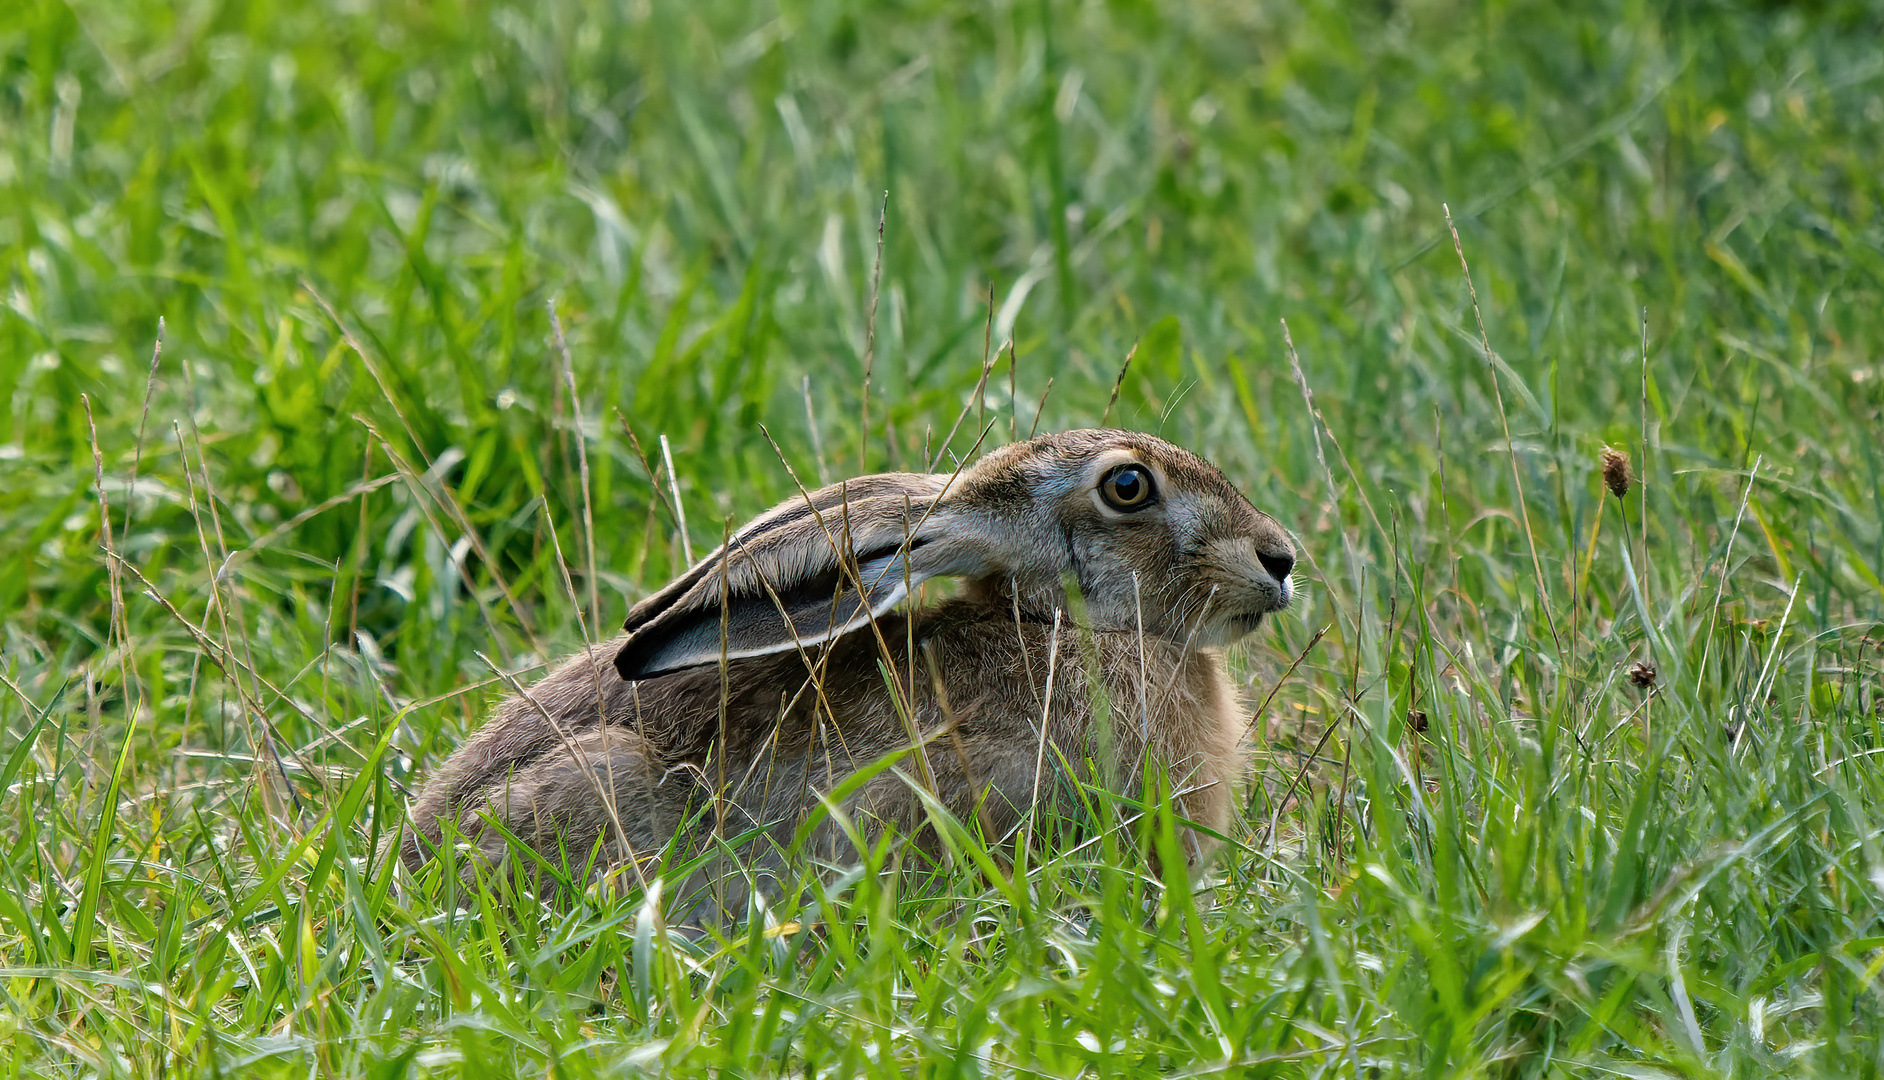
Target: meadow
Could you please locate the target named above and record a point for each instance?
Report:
(357, 354)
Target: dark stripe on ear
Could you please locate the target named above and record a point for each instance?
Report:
(751, 622)
(814, 610)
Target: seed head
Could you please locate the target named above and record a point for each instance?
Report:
(1616, 471)
(1642, 674)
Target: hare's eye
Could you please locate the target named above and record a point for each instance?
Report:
(1127, 488)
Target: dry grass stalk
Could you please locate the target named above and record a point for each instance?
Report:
(1511, 450)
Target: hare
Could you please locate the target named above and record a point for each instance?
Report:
(1101, 574)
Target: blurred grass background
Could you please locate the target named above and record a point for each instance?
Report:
(1474, 848)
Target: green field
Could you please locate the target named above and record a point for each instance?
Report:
(1481, 841)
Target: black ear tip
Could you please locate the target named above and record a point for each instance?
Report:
(645, 656)
(629, 662)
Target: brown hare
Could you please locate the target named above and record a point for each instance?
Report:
(1101, 573)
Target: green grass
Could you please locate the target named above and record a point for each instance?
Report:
(353, 219)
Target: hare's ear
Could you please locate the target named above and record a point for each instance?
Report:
(789, 579)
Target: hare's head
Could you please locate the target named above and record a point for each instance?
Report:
(1139, 533)
(1145, 533)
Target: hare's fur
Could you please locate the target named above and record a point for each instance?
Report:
(593, 769)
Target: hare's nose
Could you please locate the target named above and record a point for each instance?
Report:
(1277, 565)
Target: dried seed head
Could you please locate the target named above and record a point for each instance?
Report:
(1616, 471)
(1642, 674)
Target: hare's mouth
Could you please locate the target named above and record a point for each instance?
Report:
(1246, 622)
(1224, 629)
(1249, 620)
